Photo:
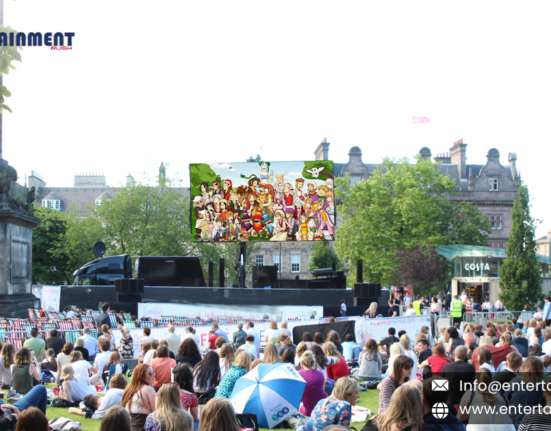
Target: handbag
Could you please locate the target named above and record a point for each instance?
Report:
(205, 397)
(62, 423)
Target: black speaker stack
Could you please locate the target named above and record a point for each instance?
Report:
(367, 290)
(265, 276)
(129, 289)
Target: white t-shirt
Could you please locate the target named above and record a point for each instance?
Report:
(112, 398)
(256, 336)
(546, 347)
(411, 312)
(193, 337)
(101, 361)
(330, 361)
(81, 367)
(343, 307)
(251, 349)
(79, 388)
(148, 356)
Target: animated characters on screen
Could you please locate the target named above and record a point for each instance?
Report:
(264, 201)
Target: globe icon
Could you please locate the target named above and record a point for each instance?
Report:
(440, 410)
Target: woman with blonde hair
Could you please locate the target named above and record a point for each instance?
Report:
(395, 350)
(126, 343)
(406, 344)
(241, 367)
(271, 354)
(315, 381)
(272, 334)
(74, 388)
(339, 369)
(227, 356)
(405, 409)
(283, 328)
(468, 335)
(485, 340)
(444, 336)
(169, 414)
(531, 326)
(219, 415)
(371, 312)
(301, 348)
(337, 408)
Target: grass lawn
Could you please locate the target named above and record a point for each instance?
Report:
(369, 399)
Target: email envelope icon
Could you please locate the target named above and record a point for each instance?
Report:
(440, 385)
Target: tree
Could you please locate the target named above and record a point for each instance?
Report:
(8, 55)
(402, 206)
(50, 264)
(323, 256)
(422, 269)
(520, 277)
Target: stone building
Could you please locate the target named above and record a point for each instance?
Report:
(543, 245)
(491, 186)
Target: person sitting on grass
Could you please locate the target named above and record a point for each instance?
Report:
(25, 368)
(162, 366)
(241, 367)
(116, 418)
(139, 396)
(169, 415)
(114, 359)
(336, 409)
(37, 397)
(32, 419)
(103, 357)
(74, 388)
(218, 415)
(97, 407)
(183, 376)
(405, 410)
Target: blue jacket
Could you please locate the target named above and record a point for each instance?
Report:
(547, 311)
(449, 423)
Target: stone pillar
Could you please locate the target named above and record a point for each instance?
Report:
(16, 225)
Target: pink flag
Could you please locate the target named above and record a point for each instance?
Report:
(419, 120)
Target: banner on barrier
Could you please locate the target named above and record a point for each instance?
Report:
(377, 329)
(50, 298)
(154, 310)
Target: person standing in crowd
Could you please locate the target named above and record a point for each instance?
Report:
(456, 310)
(169, 415)
(546, 315)
(90, 344)
(418, 305)
(219, 332)
(458, 373)
(410, 311)
(251, 331)
(337, 408)
(343, 308)
(106, 335)
(239, 336)
(103, 318)
(139, 396)
(25, 368)
(188, 353)
(173, 340)
(371, 312)
(36, 345)
(400, 373)
(126, 343)
(432, 398)
(435, 306)
(394, 309)
(55, 342)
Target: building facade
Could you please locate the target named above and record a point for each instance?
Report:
(491, 186)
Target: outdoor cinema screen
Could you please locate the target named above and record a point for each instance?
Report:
(263, 201)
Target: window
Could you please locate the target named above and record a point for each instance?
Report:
(354, 180)
(493, 184)
(276, 260)
(498, 244)
(259, 260)
(99, 202)
(295, 263)
(54, 204)
(495, 221)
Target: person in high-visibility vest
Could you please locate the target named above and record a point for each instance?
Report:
(417, 305)
(456, 309)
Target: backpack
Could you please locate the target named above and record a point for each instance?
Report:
(63, 403)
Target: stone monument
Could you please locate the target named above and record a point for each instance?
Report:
(16, 225)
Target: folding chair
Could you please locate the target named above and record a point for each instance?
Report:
(248, 420)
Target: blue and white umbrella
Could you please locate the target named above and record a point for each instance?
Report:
(272, 392)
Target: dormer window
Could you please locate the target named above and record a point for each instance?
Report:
(99, 202)
(354, 180)
(493, 184)
(54, 204)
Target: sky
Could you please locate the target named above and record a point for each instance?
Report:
(205, 82)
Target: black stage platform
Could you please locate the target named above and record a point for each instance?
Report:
(91, 296)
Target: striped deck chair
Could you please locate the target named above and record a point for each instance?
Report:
(112, 319)
(71, 335)
(17, 343)
(127, 316)
(90, 325)
(76, 323)
(65, 324)
(163, 322)
(32, 314)
(95, 315)
(119, 316)
(86, 318)
(3, 334)
(147, 324)
(130, 324)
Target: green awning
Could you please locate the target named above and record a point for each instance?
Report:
(450, 252)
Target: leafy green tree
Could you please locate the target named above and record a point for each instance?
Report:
(323, 256)
(50, 263)
(520, 277)
(8, 55)
(402, 206)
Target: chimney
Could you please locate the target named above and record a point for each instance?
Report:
(513, 163)
(322, 152)
(129, 180)
(458, 154)
(425, 153)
